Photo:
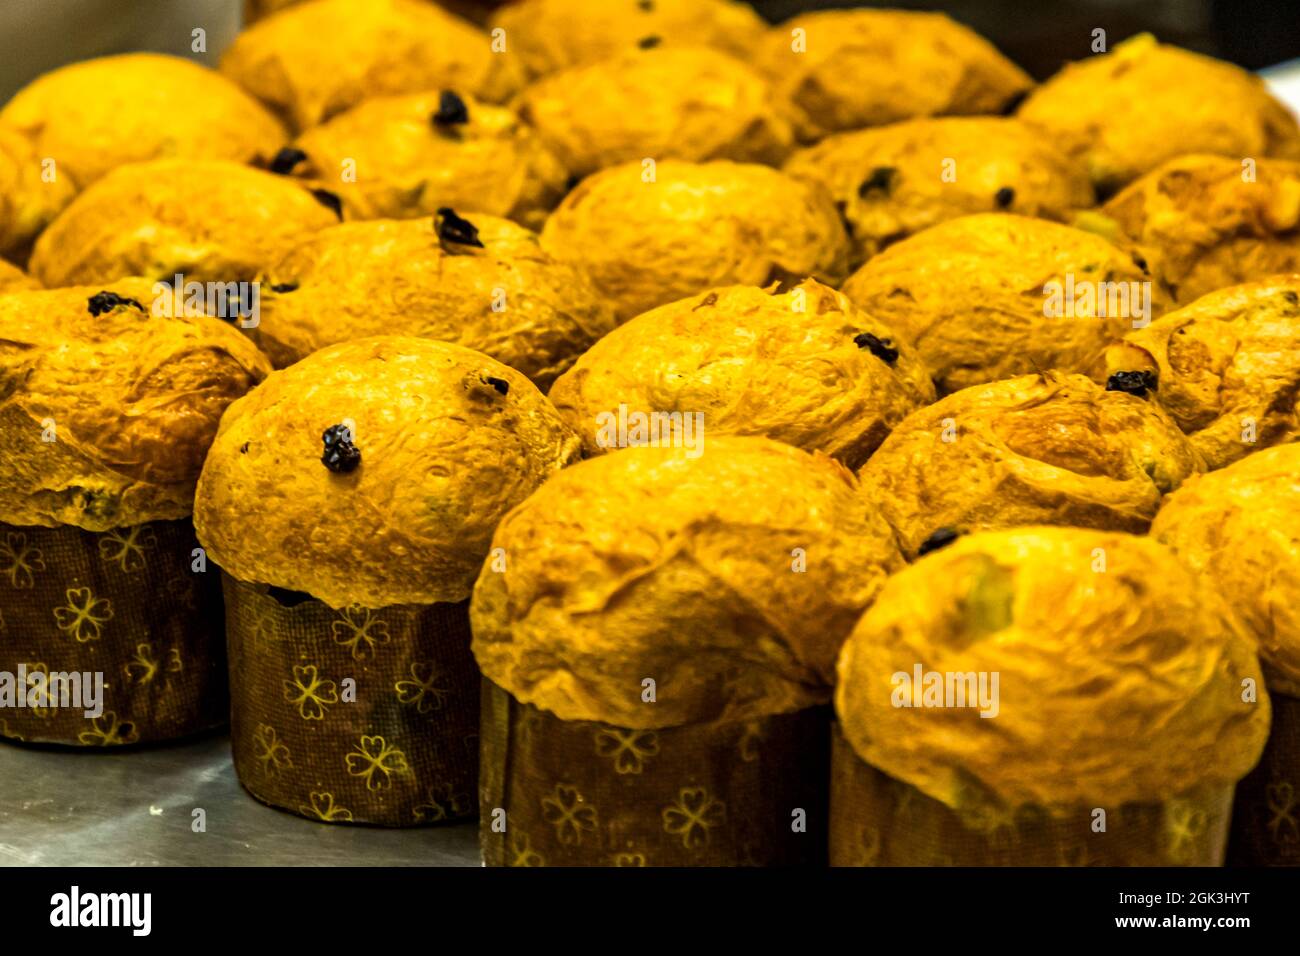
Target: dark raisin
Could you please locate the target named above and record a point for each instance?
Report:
(452, 110)
(340, 454)
(500, 384)
(881, 180)
(646, 5)
(1004, 197)
(286, 159)
(452, 228)
(1134, 383)
(1141, 263)
(1291, 297)
(710, 299)
(243, 449)
(330, 201)
(284, 287)
(102, 302)
(938, 539)
(286, 598)
(1013, 104)
(649, 43)
(882, 349)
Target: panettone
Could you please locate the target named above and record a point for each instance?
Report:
(503, 296)
(990, 296)
(845, 69)
(1205, 222)
(209, 220)
(1127, 112)
(12, 278)
(108, 407)
(895, 180)
(687, 570)
(93, 116)
(550, 35)
(805, 367)
(1121, 675)
(314, 60)
(1240, 527)
(446, 441)
(402, 156)
(666, 102)
(31, 194)
(1040, 449)
(1226, 367)
(651, 232)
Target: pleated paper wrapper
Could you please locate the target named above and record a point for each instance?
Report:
(353, 715)
(580, 793)
(126, 603)
(1266, 814)
(877, 820)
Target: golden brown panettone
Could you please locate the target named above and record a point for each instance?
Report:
(31, 194)
(1226, 367)
(896, 180)
(506, 298)
(1120, 674)
(551, 35)
(990, 296)
(1240, 527)
(1206, 222)
(402, 156)
(1039, 449)
(805, 367)
(315, 60)
(649, 233)
(107, 406)
(1127, 112)
(209, 220)
(845, 69)
(434, 444)
(667, 102)
(729, 579)
(94, 116)
(12, 278)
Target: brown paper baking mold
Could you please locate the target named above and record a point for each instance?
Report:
(877, 820)
(403, 752)
(1266, 813)
(580, 793)
(126, 603)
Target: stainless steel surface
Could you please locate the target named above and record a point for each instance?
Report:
(135, 808)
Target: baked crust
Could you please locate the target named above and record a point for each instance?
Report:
(314, 60)
(28, 203)
(1127, 112)
(107, 418)
(93, 116)
(795, 366)
(12, 279)
(1240, 527)
(695, 226)
(359, 279)
(846, 69)
(210, 220)
(1203, 226)
(1227, 367)
(653, 564)
(403, 165)
(449, 441)
(971, 294)
(1050, 449)
(1116, 686)
(889, 182)
(551, 35)
(667, 102)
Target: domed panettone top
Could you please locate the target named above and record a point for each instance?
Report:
(1122, 677)
(727, 579)
(107, 408)
(374, 471)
